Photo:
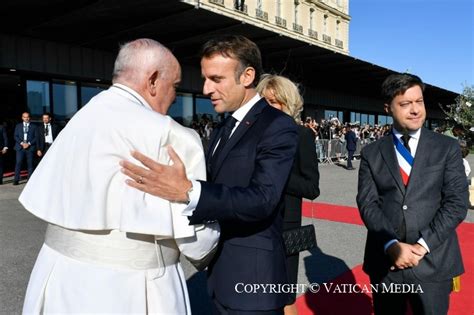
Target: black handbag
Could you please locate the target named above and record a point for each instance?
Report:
(299, 239)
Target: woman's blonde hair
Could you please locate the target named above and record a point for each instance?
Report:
(285, 91)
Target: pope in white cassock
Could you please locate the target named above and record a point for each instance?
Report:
(110, 248)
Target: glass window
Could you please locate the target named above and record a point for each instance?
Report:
(340, 116)
(296, 12)
(64, 99)
(88, 91)
(355, 117)
(384, 119)
(371, 120)
(381, 119)
(325, 24)
(364, 119)
(204, 107)
(389, 120)
(328, 114)
(182, 109)
(38, 99)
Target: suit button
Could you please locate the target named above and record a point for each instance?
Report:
(405, 207)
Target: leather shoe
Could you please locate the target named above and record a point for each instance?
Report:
(350, 168)
(15, 183)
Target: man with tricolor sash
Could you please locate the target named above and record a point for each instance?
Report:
(412, 195)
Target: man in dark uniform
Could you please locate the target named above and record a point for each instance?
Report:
(25, 145)
(3, 149)
(351, 145)
(47, 133)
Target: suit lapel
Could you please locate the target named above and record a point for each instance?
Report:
(387, 150)
(239, 132)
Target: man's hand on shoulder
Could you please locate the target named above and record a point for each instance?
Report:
(165, 181)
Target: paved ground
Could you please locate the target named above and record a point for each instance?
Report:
(340, 245)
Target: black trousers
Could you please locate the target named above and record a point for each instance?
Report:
(434, 300)
(219, 309)
(350, 155)
(1, 168)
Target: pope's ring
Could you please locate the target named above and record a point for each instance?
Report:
(140, 180)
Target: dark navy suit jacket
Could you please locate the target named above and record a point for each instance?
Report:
(351, 140)
(3, 137)
(433, 204)
(244, 193)
(32, 137)
(41, 145)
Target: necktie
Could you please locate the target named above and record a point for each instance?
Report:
(405, 139)
(226, 131)
(46, 130)
(25, 128)
(405, 162)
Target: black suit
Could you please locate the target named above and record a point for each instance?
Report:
(43, 146)
(32, 139)
(3, 144)
(351, 145)
(244, 193)
(433, 204)
(303, 183)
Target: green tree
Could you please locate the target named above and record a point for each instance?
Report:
(462, 111)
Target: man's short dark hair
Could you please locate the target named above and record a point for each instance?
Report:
(47, 114)
(397, 84)
(237, 47)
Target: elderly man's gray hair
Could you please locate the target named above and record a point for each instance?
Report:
(138, 57)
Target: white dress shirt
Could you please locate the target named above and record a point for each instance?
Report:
(48, 138)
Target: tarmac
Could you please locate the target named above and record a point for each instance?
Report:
(340, 245)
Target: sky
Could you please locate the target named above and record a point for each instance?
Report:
(433, 39)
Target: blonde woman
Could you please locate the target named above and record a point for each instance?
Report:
(303, 182)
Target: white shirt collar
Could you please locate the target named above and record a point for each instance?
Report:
(414, 134)
(121, 88)
(240, 113)
(414, 139)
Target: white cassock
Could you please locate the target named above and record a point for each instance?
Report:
(110, 248)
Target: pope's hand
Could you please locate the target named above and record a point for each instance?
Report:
(165, 181)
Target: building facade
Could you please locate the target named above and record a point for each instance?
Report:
(324, 23)
(55, 60)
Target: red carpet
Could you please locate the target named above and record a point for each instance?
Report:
(331, 212)
(22, 173)
(336, 302)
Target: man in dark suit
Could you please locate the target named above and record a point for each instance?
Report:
(249, 159)
(25, 136)
(3, 149)
(351, 145)
(47, 133)
(412, 196)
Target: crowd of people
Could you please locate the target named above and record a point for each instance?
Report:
(137, 190)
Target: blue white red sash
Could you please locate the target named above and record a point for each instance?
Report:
(405, 159)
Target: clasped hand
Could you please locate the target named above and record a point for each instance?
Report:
(405, 255)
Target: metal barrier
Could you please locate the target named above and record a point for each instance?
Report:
(330, 150)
